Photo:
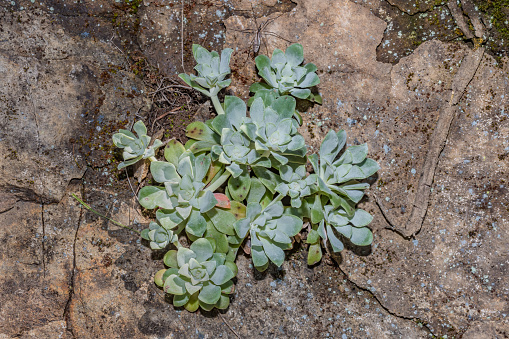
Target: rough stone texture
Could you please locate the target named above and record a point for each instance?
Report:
(69, 83)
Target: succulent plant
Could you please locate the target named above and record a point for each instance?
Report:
(295, 184)
(212, 71)
(159, 237)
(270, 232)
(226, 186)
(274, 132)
(135, 148)
(182, 200)
(284, 76)
(337, 183)
(198, 277)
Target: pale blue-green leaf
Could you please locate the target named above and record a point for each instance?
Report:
(173, 151)
(175, 285)
(170, 259)
(139, 128)
(316, 210)
(257, 86)
(336, 244)
(289, 224)
(267, 177)
(273, 252)
(210, 294)
(256, 191)
(313, 159)
(278, 57)
(369, 167)
(151, 197)
(262, 61)
(330, 147)
(220, 122)
(310, 80)
(295, 54)
(192, 289)
(275, 210)
(234, 169)
(361, 218)
(163, 171)
(269, 76)
(358, 153)
(203, 249)
(345, 230)
(235, 109)
(223, 220)
(183, 256)
(207, 201)
(196, 225)
(361, 236)
(260, 260)
(180, 300)
(129, 162)
(284, 106)
(201, 55)
(301, 93)
(202, 165)
(225, 60)
(242, 226)
(222, 275)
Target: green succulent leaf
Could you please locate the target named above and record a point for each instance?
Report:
(202, 249)
(239, 187)
(314, 254)
(361, 236)
(210, 294)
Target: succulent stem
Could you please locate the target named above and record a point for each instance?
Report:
(217, 104)
(221, 180)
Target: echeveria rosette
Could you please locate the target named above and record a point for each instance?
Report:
(198, 277)
(338, 178)
(159, 237)
(338, 192)
(284, 76)
(135, 148)
(182, 200)
(212, 70)
(270, 232)
(295, 184)
(275, 132)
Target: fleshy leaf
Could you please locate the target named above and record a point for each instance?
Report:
(202, 249)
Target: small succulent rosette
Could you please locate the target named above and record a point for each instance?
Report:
(212, 71)
(197, 277)
(270, 231)
(135, 148)
(284, 76)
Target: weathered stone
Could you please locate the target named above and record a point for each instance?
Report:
(64, 271)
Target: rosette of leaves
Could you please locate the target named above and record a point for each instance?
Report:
(295, 184)
(135, 147)
(212, 70)
(159, 237)
(284, 76)
(181, 200)
(198, 277)
(339, 190)
(274, 131)
(270, 232)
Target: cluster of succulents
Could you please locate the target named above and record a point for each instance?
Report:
(241, 181)
(135, 148)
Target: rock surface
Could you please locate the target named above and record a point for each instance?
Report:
(435, 120)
